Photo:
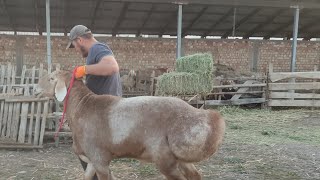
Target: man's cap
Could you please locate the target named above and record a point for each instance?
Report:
(76, 32)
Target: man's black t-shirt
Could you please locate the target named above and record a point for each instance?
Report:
(102, 84)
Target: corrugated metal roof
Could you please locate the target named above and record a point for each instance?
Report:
(264, 18)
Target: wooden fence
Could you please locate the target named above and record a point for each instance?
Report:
(144, 85)
(293, 89)
(250, 91)
(23, 117)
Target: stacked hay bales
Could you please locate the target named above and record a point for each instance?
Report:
(194, 75)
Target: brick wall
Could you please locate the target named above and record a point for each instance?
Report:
(154, 53)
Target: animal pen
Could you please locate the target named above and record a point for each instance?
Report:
(26, 120)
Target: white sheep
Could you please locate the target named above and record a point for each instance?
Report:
(164, 130)
(129, 81)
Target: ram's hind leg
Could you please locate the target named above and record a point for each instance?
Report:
(168, 165)
(189, 171)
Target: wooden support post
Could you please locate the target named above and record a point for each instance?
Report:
(43, 122)
(37, 125)
(24, 118)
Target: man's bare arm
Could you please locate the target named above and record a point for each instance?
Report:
(105, 67)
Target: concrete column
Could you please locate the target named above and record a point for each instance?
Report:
(20, 43)
(179, 31)
(234, 22)
(48, 32)
(295, 36)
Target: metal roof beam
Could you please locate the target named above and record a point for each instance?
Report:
(223, 18)
(284, 26)
(312, 35)
(185, 30)
(98, 2)
(65, 17)
(171, 19)
(146, 19)
(309, 25)
(248, 3)
(304, 28)
(37, 17)
(5, 8)
(120, 18)
(263, 24)
(243, 20)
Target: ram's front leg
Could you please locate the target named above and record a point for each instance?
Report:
(105, 173)
(90, 170)
(101, 165)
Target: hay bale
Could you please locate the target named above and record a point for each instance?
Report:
(194, 76)
(182, 83)
(197, 63)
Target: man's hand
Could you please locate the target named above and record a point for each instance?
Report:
(80, 72)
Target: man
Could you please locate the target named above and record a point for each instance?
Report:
(101, 69)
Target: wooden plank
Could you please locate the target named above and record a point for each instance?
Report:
(13, 75)
(2, 109)
(229, 102)
(240, 86)
(313, 91)
(26, 99)
(294, 86)
(294, 103)
(192, 98)
(10, 114)
(242, 90)
(31, 123)
(9, 123)
(286, 95)
(153, 75)
(31, 117)
(16, 118)
(37, 125)
(260, 78)
(25, 146)
(16, 85)
(3, 71)
(231, 93)
(270, 68)
(40, 71)
(24, 117)
(50, 123)
(23, 73)
(8, 82)
(9, 88)
(60, 134)
(43, 121)
(57, 116)
(58, 67)
(13, 122)
(6, 96)
(274, 77)
(5, 119)
(33, 75)
(49, 68)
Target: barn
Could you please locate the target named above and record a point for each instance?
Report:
(254, 61)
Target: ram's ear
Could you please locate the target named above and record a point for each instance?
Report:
(60, 91)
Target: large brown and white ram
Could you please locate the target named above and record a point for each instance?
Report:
(164, 130)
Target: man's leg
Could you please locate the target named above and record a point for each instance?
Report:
(84, 165)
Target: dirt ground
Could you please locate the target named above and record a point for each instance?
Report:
(259, 144)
